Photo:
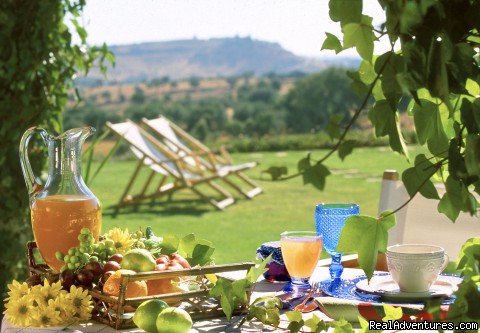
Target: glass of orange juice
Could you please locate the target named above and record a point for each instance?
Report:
(300, 251)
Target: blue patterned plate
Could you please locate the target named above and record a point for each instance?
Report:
(347, 289)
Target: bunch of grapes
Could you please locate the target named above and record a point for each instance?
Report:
(104, 249)
(79, 256)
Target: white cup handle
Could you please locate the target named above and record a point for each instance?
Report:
(446, 260)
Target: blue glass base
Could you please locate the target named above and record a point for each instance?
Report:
(297, 287)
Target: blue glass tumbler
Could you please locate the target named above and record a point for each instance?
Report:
(329, 221)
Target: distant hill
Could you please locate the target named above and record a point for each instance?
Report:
(209, 58)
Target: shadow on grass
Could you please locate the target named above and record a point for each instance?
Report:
(164, 208)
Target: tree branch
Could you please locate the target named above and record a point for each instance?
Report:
(352, 121)
(415, 193)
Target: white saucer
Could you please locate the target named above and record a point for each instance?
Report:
(385, 287)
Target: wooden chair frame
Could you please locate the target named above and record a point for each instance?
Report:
(180, 174)
(197, 151)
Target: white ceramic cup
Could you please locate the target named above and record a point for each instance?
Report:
(415, 267)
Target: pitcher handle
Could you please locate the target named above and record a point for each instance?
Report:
(33, 186)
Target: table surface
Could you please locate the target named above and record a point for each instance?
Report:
(261, 288)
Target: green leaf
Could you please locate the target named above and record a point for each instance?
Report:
(169, 244)
(411, 17)
(430, 128)
(437, 77)
(456, 198)
(366, 236)
(391, 312)
(304, 163)
(425, 5)
(294, 315)
(295, 326)
(468, 260)
(345, 11)
(390, 65)
(472, 154)
(342, 326)
(239, 290)
(332, 43)
(470, 116)
(333, 128)
(385, 121)
(419, 174)
(346, 148)
(187, 245)
(360, 36)
(316, 175)
(364, 325)
(314, 323)
(201, 255)
(366, 72)
(276, 172)
(257, 270)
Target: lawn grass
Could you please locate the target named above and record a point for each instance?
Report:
(241, 228)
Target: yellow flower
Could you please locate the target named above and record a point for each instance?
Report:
(19, 311)
(45, 316)
(80, 304)
(122, 239)
(42, 294)
(63, 306)
(17, 290)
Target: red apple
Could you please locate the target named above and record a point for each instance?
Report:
(174, 266)
(181, 260)
(160, 267)
(163, 259)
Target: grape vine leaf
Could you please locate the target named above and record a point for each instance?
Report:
(332, 43)
(316, 175)
(276, 172)
(468, 260)
(364, 326)
(417, 178)
(428, 124)
(296, 321)
(456, 198)
(169, 244)
(333, 128)
(472, 154)
(391, 312)
(342, 326)
(345, 11)
(196, 252)
(366, 236)
(385, 121)
(361, 36)
(411, 17)
(345, 148)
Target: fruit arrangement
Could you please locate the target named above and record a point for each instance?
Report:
(134, 259)
(100, 264)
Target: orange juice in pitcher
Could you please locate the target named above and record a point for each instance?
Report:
(64, 205)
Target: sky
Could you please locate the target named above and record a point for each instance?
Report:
(297, 25)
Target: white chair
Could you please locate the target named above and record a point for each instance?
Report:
(420, 222)
(198, 156)
(162, 161)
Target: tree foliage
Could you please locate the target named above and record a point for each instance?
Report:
(435, 61)
(38, 61)
(315, 98)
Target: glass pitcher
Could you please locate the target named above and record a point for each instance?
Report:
(64, 205)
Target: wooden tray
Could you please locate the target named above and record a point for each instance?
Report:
(117, 311)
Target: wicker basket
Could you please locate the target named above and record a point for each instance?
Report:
(117, 312)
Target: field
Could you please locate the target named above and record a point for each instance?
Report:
(241, 228)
